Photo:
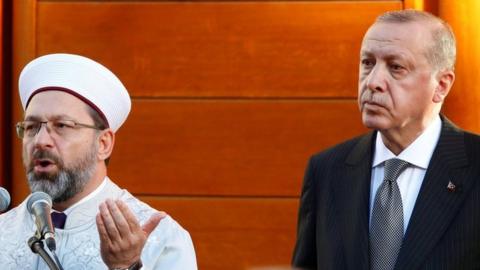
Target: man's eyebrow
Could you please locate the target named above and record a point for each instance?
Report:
(54, 117)
(388, 56)
(32, 118)
(365, 53)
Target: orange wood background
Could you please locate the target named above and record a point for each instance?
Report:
(464, 99)
(229, 101)
(230, 98)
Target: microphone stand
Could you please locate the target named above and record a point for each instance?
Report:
(36, 246)
(56, 259)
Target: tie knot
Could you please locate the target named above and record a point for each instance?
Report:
(393, 168)
(58, 219)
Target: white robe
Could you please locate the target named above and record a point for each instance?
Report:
(169, 246)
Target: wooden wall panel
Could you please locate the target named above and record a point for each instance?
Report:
(232, 49)
(230, 100)
(235, 233)
(24, 40)
(425, 5)
(218, 147)
(461, 105)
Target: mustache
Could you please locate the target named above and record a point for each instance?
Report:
(373, 97)
(43, 154)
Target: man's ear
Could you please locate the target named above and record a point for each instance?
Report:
(106, 140)
(445, 81)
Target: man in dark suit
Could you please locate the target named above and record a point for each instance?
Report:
(407, 194)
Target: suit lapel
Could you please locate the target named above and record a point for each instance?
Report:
(436, 205)
(351, 199)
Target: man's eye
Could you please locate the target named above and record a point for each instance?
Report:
(62, 124)
(396, 67)
(30, 126)
(367, 62)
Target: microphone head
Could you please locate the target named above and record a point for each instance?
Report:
(37, 197)
(4, 199)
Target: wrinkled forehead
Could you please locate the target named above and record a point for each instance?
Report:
(52, 104)
(396, 38)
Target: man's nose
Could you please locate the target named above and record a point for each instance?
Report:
(43, 137)
(376, 80)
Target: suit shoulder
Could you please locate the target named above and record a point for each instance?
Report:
(471, 140)
(472, 144)
(471, 137)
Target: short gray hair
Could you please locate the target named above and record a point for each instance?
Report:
(442, 54)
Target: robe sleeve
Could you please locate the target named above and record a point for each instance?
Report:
(170, 247)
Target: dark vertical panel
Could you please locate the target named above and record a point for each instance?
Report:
(7, 90)
(2, 101)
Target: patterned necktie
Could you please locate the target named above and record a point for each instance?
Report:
(58, 219)
(386, 232)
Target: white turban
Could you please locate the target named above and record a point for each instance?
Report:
(82, 77)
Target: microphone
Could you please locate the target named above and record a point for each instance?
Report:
(39, 205)
(4, 199)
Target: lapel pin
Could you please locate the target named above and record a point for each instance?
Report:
(451, 186)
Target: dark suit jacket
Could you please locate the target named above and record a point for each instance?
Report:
(444, 229)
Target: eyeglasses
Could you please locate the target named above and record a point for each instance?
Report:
(63, 128)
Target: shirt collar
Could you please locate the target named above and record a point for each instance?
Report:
(418, 153)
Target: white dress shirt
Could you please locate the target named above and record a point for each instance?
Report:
(418, 154)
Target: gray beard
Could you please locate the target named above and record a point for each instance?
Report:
(68, 182)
